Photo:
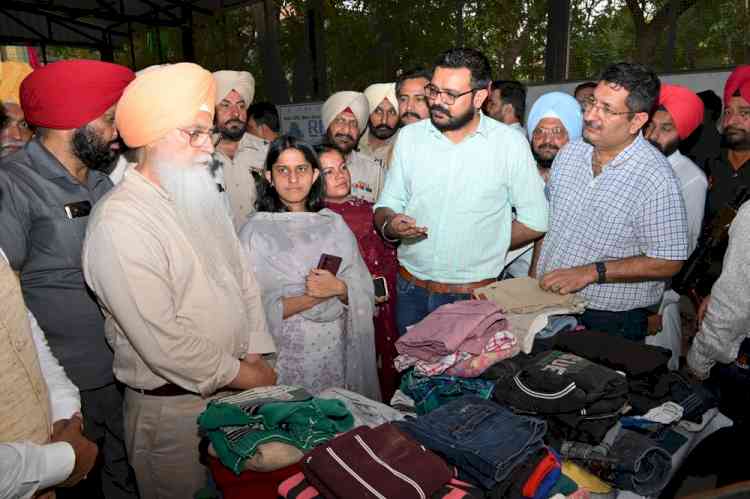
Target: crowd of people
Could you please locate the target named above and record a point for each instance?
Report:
(163, 245)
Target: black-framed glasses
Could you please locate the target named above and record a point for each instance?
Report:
(434, 93)
(198, 138)
(591, 103)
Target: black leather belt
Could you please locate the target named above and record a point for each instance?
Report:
(168, 390)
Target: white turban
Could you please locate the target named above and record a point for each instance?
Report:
(241, 82)
(356, 101)
(376, 92)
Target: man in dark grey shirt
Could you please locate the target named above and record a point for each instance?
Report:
(47, 191)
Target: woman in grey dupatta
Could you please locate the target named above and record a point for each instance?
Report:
(321, 322)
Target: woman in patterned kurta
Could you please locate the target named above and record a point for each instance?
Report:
(379, 256)
(321, 322)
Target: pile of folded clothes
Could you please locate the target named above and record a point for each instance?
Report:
(260, 436)
(381, 462)
(532, 312)
(580, 399)
(458, 339)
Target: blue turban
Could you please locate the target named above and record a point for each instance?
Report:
(557, 105)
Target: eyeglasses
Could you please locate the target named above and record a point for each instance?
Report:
(434, 93)
(591, 103)
(198, 138)
(286, 171)
(556, 132)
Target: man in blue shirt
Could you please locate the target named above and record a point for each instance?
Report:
(450, 192)
(618, 227)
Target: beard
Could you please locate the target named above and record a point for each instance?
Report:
(92, 150)
(383, 131)
(232, 130)
(545, 155)
(202, 213)
(343, 142)
(667, 149)
(735, 138)
(454, 122)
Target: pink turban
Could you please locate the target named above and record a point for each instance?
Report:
(738, 80)
(684, 106)
(69, 94)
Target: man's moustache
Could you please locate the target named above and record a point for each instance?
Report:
(408, 113)
(383, 127)
(590, 124)
(343, 136)
(440, 109)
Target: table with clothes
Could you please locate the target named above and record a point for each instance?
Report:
(486, 408)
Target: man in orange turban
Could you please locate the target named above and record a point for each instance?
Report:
(48, 190)
(678, 115)
(183, 311)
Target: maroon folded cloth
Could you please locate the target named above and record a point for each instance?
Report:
(255, 484)
(375, 462)
(297, 487)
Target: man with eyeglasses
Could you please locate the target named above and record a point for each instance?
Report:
(183, 311)
(47, 191)
(237, 152)
(450, 190)
(345, 115)
(377, 141)
(618, 228)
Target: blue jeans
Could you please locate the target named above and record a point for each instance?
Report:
(415, 303)
(630, 324)
(485, 440)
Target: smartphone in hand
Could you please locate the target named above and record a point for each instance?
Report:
(330, 263)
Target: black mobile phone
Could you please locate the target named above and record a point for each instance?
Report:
(77, 210)
(381, 287)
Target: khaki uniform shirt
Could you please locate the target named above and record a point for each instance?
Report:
(166, 319)
(368, 176)
(381, 154)
(235, 176)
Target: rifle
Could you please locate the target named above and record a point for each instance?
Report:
(696, 277)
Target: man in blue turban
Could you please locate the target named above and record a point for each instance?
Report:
(555, 119)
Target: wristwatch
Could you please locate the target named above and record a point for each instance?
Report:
(601, 271)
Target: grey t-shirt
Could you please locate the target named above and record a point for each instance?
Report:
(44, 244)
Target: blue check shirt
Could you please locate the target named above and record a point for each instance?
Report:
(633, 208)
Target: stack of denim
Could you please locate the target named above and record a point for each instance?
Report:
(484, 440)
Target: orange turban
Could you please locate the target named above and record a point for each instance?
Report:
(68, 94)
(684, 106)
(12, 74)
(162, 99)
(738, 80)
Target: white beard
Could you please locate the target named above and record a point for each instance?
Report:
(202, 213)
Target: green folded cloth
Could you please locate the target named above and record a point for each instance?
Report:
(236, 433)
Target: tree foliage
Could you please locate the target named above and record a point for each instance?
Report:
(368, 41)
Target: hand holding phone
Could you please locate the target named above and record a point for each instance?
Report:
(330, 263)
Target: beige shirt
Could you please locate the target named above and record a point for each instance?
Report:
(166, 320)
(236, 178)
(381, 154)
(368, 176)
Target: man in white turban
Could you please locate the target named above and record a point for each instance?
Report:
(239, 153)
(345, 116)
(378, 140)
